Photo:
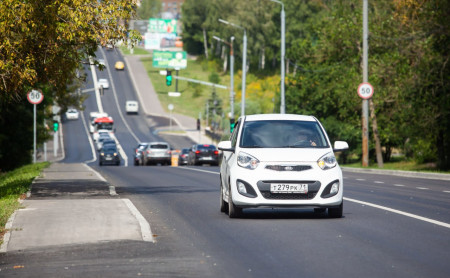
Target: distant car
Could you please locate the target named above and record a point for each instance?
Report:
(102, 62)
(104, 140)
(280, 160)
(109, 46)
(157, 152)
(109, 155)
(103, 82)
(203, 154)
(131, 106)
(72, 114)
(138, 153)
(119, 65)
(183, 157)
(101, 133)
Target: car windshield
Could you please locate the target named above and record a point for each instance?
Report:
(109, 149)
(282, 134)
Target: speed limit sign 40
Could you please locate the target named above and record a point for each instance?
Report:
(365, 90)
(35, 96)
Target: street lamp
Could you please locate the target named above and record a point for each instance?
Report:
(283, 47)
(244, 62)
(231, 76)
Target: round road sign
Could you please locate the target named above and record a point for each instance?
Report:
(365, 90)
(35, 96)
(170, 106)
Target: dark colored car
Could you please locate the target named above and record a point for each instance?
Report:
(138, 154)
(203, 154)
(109, 155)
(104, 141)
(157, 152)
(183, 157)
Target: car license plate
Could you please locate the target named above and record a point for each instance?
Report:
(288, 188)
(108, 158)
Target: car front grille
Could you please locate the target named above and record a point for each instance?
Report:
(288, 196)
(288, 167)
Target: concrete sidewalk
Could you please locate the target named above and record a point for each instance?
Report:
(72, 204)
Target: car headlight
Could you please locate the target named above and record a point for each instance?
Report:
(327, 161)
(247, 161)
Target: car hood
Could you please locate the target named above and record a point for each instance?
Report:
(287, 154)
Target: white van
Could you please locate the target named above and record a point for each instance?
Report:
(131, 106)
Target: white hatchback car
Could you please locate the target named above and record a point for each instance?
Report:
(280, 160)
(72, 114)
(102, 82)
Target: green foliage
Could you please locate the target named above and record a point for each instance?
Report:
(214, 78)
(149, 9)
(12, 185)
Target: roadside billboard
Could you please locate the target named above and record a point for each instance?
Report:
(170, 59)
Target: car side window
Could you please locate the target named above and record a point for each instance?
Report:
(235, 133)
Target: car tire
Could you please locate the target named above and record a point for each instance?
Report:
(136, 163)
(233, 211)
(100, 163)
(223, 204)
(336, 212)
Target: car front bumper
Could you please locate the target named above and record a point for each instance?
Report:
(260, 179)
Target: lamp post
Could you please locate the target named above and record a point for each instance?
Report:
(283, 48)
(244, 62)
(231, 75)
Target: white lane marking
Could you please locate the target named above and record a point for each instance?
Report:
(399, 185)
(422, 188)
(360, 179)
(443, 224)
(95, 172)
(146, 232)
(378, 182)
(91, 143)
(198, 170)
(446, 191)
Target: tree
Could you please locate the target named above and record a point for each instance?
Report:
(42, 46)
(149, 9)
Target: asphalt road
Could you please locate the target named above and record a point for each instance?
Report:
(392, 226)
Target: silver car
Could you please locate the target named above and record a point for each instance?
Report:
(157, 152)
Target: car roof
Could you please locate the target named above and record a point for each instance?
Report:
(289, 117)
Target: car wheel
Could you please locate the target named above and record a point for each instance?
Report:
(136, 163)
(233, 211)
(100, 163)
(223, 204)
(336, 212)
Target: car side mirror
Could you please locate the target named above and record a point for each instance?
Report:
(225, 146)
(340, 146)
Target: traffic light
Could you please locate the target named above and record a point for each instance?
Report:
(168, 78)
(231, 125)
(55, 125)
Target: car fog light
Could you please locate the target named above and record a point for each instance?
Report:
(241, 187)
(334, 188)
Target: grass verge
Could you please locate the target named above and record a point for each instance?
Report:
(13, 185)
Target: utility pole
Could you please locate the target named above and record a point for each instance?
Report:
(365, 102)
(283, 50)
(244, 62)
(231, 76)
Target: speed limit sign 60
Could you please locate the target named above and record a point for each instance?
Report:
(365, 90)
(35, 96)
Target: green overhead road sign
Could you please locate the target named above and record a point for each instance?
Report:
(170, 59)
